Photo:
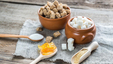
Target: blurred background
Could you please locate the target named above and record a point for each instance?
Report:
(108, 4)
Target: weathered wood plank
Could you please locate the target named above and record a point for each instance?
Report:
(16, 61)
(7, 48)
(12, 17)
(24, 61)
(72, 3)
(11, 21)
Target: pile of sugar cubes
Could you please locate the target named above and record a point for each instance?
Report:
(81, 22)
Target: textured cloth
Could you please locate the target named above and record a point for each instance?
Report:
(29, 49)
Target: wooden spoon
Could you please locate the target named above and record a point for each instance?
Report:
(91, 47)
(43, 57)
(33, 37)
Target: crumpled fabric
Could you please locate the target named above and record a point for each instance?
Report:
(29, 49)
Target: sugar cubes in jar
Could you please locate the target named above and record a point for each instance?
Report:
(80, 22)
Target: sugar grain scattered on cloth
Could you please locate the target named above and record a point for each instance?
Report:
(28, 49)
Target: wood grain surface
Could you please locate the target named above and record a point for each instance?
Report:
(72, 3)
(13, 15)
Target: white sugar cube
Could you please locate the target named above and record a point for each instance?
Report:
(64, 47)
(72, 23)
(84, 19)
(89, 26)
(70, 40)
(85, 23)
(70, 44)
(74, 20)
(80, 22)
(90, 22)
(75, 25)
(79, 27)
(83, 27)
(79, 18)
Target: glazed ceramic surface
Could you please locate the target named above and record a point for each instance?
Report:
(54, 24)
(81, 36)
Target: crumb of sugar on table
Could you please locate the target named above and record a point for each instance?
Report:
(56, 34)
(49, 39)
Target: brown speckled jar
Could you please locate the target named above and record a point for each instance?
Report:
(54, 24)
(81, 36)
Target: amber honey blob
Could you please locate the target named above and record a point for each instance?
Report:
(47, 48)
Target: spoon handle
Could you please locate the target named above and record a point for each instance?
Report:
(93, 46)
(13, 36)
(36, 60)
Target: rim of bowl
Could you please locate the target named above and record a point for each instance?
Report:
(54, 19)
(81, 29)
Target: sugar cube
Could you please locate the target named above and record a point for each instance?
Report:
(72, 23)
(79, 27)
(74, 20)
(56, 34)
(84, 19)
(79, 18)
(70, 44)
(80, 22)
(64, 47)
(75, 25)
(85, 23)
(83, 27)
(48, 39)
(90, 22)
(89, 26)
(39, 29)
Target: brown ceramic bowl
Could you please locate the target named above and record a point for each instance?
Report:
(54, 24)
(81, 36)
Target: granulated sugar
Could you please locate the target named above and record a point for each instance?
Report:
(36, 36)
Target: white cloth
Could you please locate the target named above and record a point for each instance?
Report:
(103, 54)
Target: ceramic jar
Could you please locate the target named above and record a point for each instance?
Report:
(81, 36)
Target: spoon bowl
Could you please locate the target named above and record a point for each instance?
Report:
(36, 37)
(43, 57)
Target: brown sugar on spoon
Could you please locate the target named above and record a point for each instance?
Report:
(56, 34)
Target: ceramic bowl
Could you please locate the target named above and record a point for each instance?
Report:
(81, 36)
(54, 24)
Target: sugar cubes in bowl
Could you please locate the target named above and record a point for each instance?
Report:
(81, 23)
(54, 15)
(81, 29)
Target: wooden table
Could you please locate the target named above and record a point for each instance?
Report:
(13, 13)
